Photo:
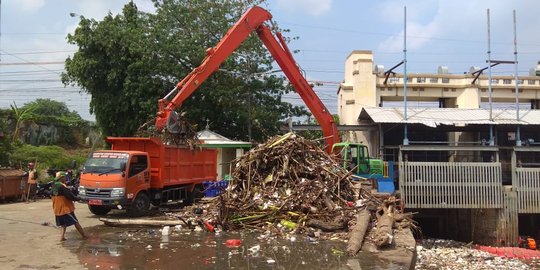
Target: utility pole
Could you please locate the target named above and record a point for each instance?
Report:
(405, 135)
(491, 139)
(248, 79)
(518, 135)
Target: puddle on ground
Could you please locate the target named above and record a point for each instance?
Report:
(147, 248)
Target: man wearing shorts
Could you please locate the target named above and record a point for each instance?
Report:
(63, 207)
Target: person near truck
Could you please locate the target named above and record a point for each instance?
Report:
(32, 182)
(63, 207)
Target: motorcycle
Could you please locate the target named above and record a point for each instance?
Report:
(72, 182)
(43, 190)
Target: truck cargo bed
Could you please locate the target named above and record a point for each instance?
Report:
(171, 164)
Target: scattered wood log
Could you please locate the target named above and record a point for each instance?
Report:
(358, 232)
(140, 222)
(327, 226)
(384, 233)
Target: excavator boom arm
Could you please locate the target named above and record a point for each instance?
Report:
(252, 20)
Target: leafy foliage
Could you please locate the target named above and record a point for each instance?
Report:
(315, 134)
(6, 146)
(55, 112)
(22, 115)
(110, 65)
(50, 156)
(128, 61)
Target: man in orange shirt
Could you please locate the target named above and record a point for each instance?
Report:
(32, 181)
(63, 207)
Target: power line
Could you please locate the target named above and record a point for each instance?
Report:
(336, 29)
(44, 68)
(27, 63)
(32, 33)
(40, 52)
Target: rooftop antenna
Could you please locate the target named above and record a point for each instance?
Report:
(518, 136)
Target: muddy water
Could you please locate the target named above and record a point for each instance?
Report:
(144, 248)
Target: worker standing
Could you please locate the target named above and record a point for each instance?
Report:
(32, 182)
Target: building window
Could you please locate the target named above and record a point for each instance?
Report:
(494, 81)
(409, 79)
(420, 80)
(433, 80)
(393, 80)
(507, 81)
(349, 102)
(532, 82)
(520, 81)
(445, 80)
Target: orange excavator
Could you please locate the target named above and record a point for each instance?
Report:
(253, 20)
(139, 171)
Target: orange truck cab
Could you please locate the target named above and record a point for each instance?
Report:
(138, 172)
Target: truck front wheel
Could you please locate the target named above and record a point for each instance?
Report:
(140, 205)
(99, 210)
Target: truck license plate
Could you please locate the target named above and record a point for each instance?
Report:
(95, 202)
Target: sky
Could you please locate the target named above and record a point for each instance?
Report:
(33, 43)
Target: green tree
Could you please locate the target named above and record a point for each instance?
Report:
(110, 65)
(6, 146)
(128, 61)
(22, 115)
(52, 111)
(315, 134)
(47, 156)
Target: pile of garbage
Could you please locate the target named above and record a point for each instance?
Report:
(449, 254)
(289, 180)
(185, 135)
(289, 186)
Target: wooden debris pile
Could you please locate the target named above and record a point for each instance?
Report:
(186, 132)
(288, 180)
(289, 185)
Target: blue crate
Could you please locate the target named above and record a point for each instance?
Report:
(385, 185)
(214, 188)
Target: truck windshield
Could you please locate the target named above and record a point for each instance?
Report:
(105, 162)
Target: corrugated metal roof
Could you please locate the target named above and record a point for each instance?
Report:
(210, 137)
(433, 117)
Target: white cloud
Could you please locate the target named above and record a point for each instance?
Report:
(457, 20)
(31, 5)
(417, 36)
(312, 7)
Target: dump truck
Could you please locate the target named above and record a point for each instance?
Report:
(138, 172)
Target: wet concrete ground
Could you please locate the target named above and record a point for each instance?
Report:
(147, 248)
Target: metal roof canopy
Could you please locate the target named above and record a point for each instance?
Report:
(214, 140)
(434, 117)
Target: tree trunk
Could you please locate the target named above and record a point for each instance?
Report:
(358, 232)
(384, 232)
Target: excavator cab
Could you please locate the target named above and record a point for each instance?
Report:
(355, 158)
